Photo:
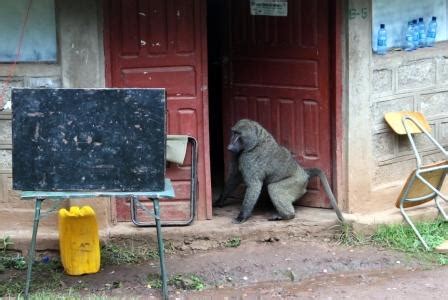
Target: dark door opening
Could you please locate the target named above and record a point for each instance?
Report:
(216, 36)
(275, 70)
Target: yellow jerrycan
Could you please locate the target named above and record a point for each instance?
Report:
(78, 240)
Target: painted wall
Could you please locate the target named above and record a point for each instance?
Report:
(375, 165)
(80, 63)
(379, 163)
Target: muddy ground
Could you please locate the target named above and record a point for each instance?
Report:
(307, 269)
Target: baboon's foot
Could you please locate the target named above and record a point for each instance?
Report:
(241, 218)
(277, 217)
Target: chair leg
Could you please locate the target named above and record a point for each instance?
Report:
(439, 207)
(406, 217)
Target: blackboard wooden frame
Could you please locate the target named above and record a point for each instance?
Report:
(89, 139)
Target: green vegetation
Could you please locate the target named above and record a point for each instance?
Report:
(46, 277)
(10, 260)
(348, 237)
(114, 254)
(6, 242)
(184, 282)
(12, 286)
(187, 282)
(70, 295)
(154, 281)
(233, 242)
(401, 237)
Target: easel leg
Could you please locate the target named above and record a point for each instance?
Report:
(31, 253)
(161, 249)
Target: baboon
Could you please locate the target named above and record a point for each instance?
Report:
(258, 160)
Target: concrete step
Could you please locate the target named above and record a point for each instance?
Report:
(200, 235)
(210, 234)
(442, 248)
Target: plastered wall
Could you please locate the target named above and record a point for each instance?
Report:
(379, 160)
(375, 161)
(80, 64)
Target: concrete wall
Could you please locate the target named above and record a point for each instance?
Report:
(375, 161)
(80, 64)
(359, 154)
(379, 162)
(416, 81)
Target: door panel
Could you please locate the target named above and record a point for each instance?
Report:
(277, 73)
(162, 43)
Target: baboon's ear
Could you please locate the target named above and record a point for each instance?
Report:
(251, 136)
(257, 131)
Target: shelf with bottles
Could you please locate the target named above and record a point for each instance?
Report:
(397, 56)
(416, 36)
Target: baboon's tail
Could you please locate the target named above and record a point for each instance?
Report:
(318, 172)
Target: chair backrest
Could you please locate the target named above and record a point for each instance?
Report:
(176, 148)
(395, 121)
(410, 123)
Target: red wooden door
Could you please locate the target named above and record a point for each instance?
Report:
(277, 73)
(162, 43)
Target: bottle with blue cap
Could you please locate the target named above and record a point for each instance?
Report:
(421, 33)
(431, 33)
(409, 40)
(381, 46)
(415, 35)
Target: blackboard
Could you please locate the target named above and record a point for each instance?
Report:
(88, 139)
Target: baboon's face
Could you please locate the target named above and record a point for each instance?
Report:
(236, 142)
(244, 136)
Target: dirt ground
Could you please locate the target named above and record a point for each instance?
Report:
(293, 260)
(313, 269)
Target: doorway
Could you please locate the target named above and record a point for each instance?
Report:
(274, 69)
(220, 63)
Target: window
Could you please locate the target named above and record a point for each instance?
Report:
(39, 41)
(395, 14)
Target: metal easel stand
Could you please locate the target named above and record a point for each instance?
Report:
(160, 244)
(156, 215)
(168, 193)
(32, 251)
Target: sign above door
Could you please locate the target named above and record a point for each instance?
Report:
(278, 8)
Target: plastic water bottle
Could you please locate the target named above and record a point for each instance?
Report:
(421, 33)
(415, 35)
(409, 41)
(381, 46)
(432, 31)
